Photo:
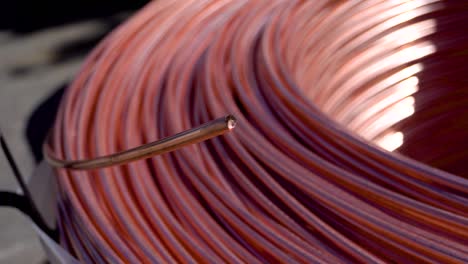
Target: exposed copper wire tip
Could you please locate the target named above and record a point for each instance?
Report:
(231, 121)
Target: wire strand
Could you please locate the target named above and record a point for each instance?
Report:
(195, 135)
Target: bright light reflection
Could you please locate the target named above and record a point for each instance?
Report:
(391, 141)
(403, 91)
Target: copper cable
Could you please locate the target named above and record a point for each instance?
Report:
(350, 144)
(195, 135)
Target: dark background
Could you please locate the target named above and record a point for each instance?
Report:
(42, 45)
(29, 15)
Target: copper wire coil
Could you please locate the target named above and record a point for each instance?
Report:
(320, 90)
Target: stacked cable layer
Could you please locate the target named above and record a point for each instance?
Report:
(351, 142)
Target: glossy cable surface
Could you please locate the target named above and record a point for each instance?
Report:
(195, 135)
(350, 147)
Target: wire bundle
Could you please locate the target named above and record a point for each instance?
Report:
(319, 89)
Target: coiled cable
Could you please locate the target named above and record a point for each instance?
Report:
(323, 92)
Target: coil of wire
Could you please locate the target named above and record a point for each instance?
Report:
(350, 147)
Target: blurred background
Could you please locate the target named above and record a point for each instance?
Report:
(42, 45)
